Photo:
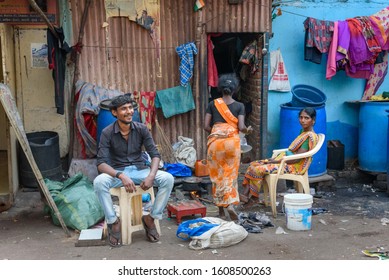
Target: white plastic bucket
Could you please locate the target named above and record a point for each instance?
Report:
(298, 211)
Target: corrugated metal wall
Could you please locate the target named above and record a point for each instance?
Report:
(122, 55)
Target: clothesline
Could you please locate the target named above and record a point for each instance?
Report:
(294, 13)
(300, 15)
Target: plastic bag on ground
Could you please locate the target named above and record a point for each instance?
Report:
(210, 232)
(76, 201)
(184, 152)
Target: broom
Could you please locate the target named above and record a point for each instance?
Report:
(163, 144)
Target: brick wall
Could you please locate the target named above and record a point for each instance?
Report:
(251, 92)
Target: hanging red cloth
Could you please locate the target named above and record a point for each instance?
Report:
(213, 77)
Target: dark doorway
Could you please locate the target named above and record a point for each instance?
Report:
(228, 48)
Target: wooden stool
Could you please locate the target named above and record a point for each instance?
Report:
(185, 208)
(131, 211)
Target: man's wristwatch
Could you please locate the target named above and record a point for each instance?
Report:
(118, 174)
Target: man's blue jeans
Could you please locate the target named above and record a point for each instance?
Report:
(104, 182)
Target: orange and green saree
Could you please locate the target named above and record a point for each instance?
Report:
(223, 157)
(257, 170)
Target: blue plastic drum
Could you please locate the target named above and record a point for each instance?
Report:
(372, 148)
(307, 96)
(290, 128)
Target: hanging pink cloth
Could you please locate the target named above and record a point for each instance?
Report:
(213, 77)
(331, 61)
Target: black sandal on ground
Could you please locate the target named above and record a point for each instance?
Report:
(117, 235)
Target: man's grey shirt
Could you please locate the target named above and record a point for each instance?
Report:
(119, 153)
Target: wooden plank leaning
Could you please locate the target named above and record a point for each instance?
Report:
(10, 109)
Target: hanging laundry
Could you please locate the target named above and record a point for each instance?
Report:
(174, 101)
(361, 59)
(213, 77)
(379, 32)
(331, 60)
(57, 51)
(147, 108)
(343, 44)
(250, 56)
(186, 52)
(382, 17)
(375, 80)
(318, 37)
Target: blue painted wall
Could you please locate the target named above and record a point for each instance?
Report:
(288, 29)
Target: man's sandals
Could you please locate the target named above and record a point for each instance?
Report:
(115, 237)
(151, 233)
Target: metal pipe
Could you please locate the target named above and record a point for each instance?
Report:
(264, 98)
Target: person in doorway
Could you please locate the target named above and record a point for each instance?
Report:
(307, 140)
(224, 118)
(120, 163)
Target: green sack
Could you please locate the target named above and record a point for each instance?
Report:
(76, 201)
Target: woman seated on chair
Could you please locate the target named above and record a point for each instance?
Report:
(257, 170)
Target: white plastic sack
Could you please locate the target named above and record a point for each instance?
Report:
(226, 234)
(279, 80)
(184, 152)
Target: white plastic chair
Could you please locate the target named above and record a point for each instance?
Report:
(301, 181)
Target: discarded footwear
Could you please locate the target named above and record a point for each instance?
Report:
(151, 233)
(114, 237)
(379, 255)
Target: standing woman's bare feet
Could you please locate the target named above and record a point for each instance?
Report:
(222, 214)
(243, 198)
(232, 213)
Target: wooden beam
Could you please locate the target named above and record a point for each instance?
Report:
(43, 16)
(75, 77)
(11, 110)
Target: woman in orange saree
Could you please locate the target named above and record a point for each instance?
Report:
(257, 170)
(224, 119)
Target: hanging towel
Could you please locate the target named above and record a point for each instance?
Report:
(174, 101)
(186, 52)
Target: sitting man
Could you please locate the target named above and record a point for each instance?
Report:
(120, 163)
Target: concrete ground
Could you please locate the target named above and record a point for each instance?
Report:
(357, 219)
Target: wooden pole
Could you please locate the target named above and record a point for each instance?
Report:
(9, 105)
(75, 77)
(43, 16)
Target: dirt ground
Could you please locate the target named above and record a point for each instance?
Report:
(356, 220)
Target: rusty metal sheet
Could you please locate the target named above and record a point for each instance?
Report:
(122, 55)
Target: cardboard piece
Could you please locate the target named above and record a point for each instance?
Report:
(91, 237)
